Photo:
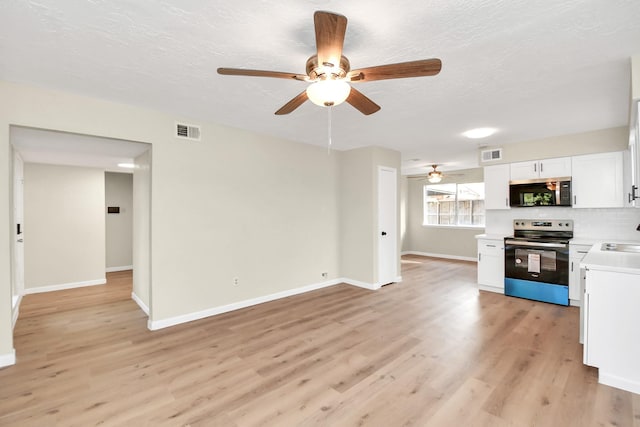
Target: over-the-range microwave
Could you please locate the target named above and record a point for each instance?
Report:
(540, 192)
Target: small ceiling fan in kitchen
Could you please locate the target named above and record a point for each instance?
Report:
(329, 72)
(434, 176)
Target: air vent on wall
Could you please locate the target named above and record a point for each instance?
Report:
(188, 131)
(491, 155)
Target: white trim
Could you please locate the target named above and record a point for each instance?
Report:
(16, 311)
(141, 303)
(121, 268)
(8, 359)
(434, 255)
(453, 226)
(491, 289)
(370, 286)
(172, 321)
(63, 286)
(618, 382)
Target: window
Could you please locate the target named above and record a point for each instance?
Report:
(454, 204)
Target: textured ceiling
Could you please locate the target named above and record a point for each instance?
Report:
(532, 69)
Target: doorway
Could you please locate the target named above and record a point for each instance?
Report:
(387, 225)
(69, 151)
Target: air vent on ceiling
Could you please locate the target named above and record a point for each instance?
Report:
(188, 131)
(491, 155)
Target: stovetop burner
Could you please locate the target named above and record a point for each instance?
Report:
(540, 230)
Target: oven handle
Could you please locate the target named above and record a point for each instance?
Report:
(535, 244)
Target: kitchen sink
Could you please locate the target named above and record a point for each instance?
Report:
(620, 247)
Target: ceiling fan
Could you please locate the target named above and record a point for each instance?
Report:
(330, 73)
(433, 176)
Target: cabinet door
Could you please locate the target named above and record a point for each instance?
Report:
(597, 180)
(524, 170)
(491, 263)
(611, 334)
(496, 185)
(555, 168)
(576, 253)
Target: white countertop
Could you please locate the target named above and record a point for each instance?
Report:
(492, 236)
(621, 262)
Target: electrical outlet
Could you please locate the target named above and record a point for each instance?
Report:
(235, 281)
(325, 275)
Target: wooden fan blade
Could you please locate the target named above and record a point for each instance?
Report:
(330, 31)
(293, 104)
(361, 102)
(420, 68)
(261, 73)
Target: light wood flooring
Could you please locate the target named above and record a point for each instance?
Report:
(430, 351)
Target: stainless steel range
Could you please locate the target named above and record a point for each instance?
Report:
(537, 260)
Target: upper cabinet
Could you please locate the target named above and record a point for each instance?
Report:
(634, 156)
(598, 180)
(496, 187)
(548, 168)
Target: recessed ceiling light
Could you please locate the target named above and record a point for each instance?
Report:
(126, 165)
(478, 133)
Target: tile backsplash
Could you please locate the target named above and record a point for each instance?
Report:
(588, 224)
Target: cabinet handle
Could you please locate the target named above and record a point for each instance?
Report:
(575, 198)
(479, 257)
(541, 166)
(572, 266)
(491, 246)
(535, 167)
(633, 195)
(506, 202)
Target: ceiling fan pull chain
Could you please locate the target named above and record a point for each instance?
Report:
(329, 127)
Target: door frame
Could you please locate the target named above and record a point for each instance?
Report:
(393, 276)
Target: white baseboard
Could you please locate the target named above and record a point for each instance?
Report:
(172, 321)
(445, 256)
(141, 303)
(618, 382)
(50, 288)
(121, 268)
(491, 289)
(358, 283)
(8, 359)
(16, 310)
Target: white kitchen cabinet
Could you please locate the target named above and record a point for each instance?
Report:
(496, 187)
(611, 327)
(491, 264)
(576, 275)
(634, 157)
(597, 180)
(548, 168)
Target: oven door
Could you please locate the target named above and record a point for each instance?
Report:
(537, 270)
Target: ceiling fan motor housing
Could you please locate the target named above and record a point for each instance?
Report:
(327, 70)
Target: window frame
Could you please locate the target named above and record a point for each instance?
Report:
(455, 202)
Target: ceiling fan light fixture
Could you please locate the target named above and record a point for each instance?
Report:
(327, 93)
(434, 177)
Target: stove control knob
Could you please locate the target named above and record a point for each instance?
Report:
(560, 224)
(567, 224)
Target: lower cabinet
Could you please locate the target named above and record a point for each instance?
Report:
(576, 277)
(491, 264)
(611, 327)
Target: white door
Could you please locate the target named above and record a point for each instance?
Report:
(387, 225)
(18, 227)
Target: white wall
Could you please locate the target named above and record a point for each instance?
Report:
(142, 231)
(235, 204)
(448, 242)
(64, 226)
(599, 141)
(358, 211)
(119, 227)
